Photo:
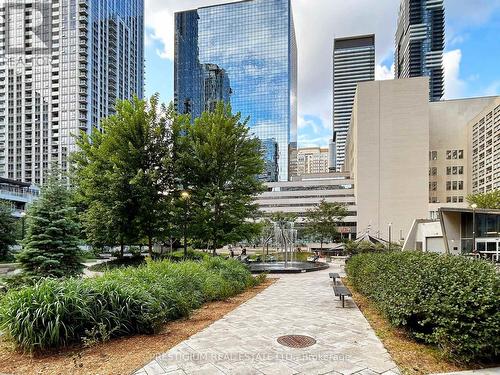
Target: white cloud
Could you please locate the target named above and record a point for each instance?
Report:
(305, 141)
(304, 124)
(337, 18)
(382, 72)
(493, 89)
(454, 85)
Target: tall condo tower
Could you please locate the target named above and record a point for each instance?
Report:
(353, 62)
(251, 45)
(63, 65)
(420, 43)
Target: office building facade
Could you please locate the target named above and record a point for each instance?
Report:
(484, 135)
(411, 158)
(303, 193)
(312, 160)
(253, 42)
(450, 151)
(65, 64)
(420, 43)
(353, 62)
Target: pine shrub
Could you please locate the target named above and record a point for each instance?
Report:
(51, 244)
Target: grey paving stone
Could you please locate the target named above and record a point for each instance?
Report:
(154, 368)
(278, 369)
(245, 340)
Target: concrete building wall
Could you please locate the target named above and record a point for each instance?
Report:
(312, 160)
(303, 194)
(449, 149)
(387, 150)
(484, 148)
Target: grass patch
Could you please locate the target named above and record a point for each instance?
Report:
(55, 313)
(121, 355)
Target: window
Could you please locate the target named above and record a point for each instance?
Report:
(433, 186)
(454, 154)
(432, 155)
(454, 185)
(433, 171)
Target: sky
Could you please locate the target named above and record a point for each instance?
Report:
(471, 59)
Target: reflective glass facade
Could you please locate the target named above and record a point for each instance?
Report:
(270, 152)
(252, 45)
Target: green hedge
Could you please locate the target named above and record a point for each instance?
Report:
(447, 301)
(55, 313)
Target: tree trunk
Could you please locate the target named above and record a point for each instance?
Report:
(150, 247)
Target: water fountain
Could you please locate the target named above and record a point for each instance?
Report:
(285, 237)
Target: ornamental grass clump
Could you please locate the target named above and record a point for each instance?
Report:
(450, 302)
(56, 313)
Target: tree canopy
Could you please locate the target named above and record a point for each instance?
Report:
(489, 200)
(7, 229)
(131, 177)
(218, 162)
(322, 221)
(122, 174)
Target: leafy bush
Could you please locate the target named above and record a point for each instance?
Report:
(178, 256)
(55, 313)
(118, 263)
(446, 301)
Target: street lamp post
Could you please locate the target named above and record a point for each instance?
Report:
(185, 197)
(390, 235)
(474, 206)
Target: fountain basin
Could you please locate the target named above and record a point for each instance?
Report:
(292, 267)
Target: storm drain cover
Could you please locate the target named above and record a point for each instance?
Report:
(296, 341)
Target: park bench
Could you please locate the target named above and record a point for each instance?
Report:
(334, 276)
(341, 291)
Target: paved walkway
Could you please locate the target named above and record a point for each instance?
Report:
(245, 340)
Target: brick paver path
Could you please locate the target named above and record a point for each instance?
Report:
(245, 340)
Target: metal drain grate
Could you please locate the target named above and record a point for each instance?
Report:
(296, 341)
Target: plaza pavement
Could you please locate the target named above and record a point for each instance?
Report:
(245, 340)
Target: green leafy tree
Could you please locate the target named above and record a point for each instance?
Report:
(323, 220)
(218, 162)
(7, 229)
(123, 174)
(51, 244)
(490, 200)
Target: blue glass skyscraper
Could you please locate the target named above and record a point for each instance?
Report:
(253, 44)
